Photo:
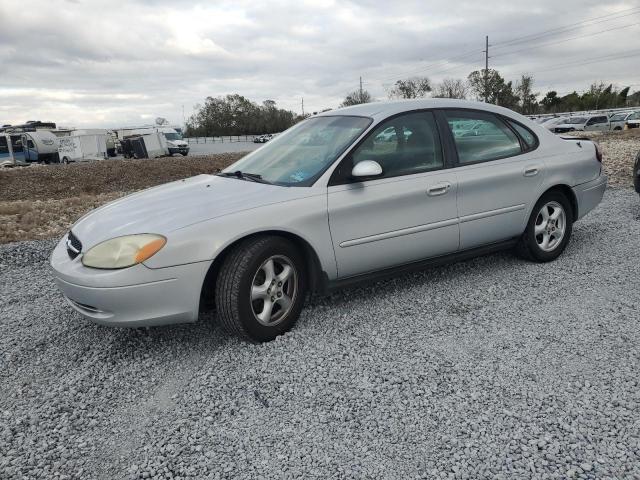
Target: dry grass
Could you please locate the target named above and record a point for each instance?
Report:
(43, 201)
(25, 220)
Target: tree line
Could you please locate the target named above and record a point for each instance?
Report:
(237, 115)
(492, 87)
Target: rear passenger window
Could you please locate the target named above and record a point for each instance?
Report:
(527, 135)
(403, 145)
(481, 137)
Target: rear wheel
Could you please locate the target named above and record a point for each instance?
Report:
(65, 160)
(260, 288)
(548, 230)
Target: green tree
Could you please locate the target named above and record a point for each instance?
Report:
(551, 102)
(237, 115)
(492, 87)
(622, 97)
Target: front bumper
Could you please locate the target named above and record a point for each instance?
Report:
(131, 297)
(590, 194)
(182, 150)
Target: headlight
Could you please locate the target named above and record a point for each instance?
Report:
(122, 252)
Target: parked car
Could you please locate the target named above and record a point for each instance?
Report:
(633, 121)
(263, 138)
(618, 120)
(296, 217)
(550, 123)
(591, 123)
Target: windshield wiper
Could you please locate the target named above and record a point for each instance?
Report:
(251, 177)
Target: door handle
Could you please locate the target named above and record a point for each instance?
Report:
(530, 171)
(438, 189)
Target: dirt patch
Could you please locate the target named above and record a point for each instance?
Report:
(46, 182)
(44, 201)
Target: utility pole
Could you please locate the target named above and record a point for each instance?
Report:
(360, 88)
(486, 70)
(303, 106)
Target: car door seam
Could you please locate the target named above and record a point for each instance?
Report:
(399, 233)
(491, 213)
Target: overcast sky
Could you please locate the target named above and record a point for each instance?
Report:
(110, 63)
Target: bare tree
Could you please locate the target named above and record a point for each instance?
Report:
(356, 98)
(415, 87)
(527, 97)
(451, 88)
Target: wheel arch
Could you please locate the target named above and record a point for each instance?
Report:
(317, 278)
(568, 192)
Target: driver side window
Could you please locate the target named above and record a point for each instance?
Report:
(403, 145)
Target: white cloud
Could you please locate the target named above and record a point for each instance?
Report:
(107, 63)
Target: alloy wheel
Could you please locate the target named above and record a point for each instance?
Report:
(273, 290)
(550, 226)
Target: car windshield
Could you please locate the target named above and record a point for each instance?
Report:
(297, 157)
(172, 136)
(576, 120)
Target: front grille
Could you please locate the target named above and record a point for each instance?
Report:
(74, 246)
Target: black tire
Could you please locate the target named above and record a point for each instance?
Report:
(65, 161)
(528, 246)
(234, 306)
(185, 154)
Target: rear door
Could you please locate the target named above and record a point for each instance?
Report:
(17, 147)
(30, 151)
(498, 175)
(408, 213)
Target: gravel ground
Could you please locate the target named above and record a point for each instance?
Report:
(491, 368)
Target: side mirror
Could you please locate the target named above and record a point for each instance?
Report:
(366, 169)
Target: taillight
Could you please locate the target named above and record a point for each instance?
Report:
(598, 151)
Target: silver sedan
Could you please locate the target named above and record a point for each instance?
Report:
(344, 196)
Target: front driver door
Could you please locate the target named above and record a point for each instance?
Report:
(408, 213)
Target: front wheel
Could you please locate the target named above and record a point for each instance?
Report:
(260, 288)
(548, 230)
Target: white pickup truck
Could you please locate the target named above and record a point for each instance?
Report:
(584, 123)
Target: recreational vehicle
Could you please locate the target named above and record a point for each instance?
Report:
(11, 152)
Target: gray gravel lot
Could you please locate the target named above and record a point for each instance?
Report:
(491, 368)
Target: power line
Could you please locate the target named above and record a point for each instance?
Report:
(569, 27)
(516, 40)
(427, 67)
(587, 61)
(565, 40)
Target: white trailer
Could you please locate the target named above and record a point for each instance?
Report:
(82, 148)
(156, 144)
(174, 142)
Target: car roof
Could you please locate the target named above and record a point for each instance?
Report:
(378, 110)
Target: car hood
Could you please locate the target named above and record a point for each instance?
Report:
(175, 205)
